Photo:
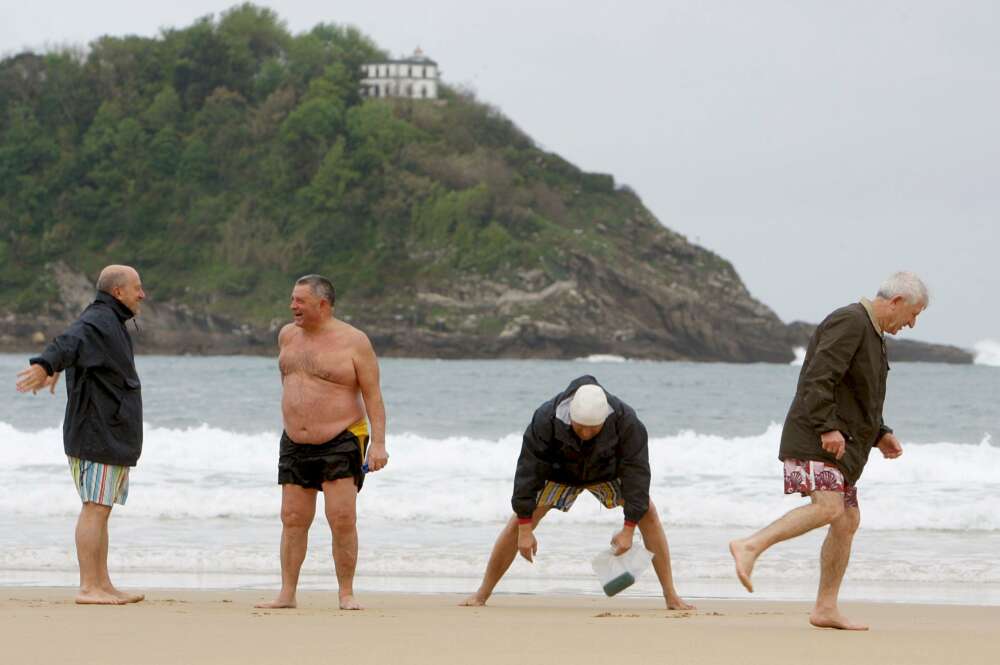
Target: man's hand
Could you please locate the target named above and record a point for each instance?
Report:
(35, 378)
(622, 541)
(890, 446)
(526, 543)
(833, 443)
(377, 456)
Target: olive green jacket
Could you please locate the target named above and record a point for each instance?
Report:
(841, 387)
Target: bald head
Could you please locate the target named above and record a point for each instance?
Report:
(123, 283)
(115, 277)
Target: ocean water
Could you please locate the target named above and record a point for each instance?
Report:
(203, 505)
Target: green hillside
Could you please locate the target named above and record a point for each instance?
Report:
(228, 157)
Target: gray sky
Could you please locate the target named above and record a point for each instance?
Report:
(817, 145)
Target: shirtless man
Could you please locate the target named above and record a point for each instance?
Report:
(330, 382)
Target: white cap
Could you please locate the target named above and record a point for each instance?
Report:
(589, 406)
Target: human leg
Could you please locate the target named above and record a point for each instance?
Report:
(825, 507)
(105, 577)
(298, 507)
(504, 551)
(340, 498)
(655, 540)
(91, 553)
(834, 557)
(100, 486)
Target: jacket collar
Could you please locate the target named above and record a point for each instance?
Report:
(120, 309)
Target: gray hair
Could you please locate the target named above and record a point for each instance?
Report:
(321, 287)
(113, 277)
(907, 285)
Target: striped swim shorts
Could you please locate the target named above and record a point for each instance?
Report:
(105, 484)
(557, 495)
(808, 476)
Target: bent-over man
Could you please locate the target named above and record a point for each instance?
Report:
(330, 382)
(833, 423)
(582, 439)
(102, 428)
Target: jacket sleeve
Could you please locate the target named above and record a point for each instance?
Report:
(533, 466)
(838, 342)
(63, 351)
(634, 469)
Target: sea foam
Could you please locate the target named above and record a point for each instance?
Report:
(987, 353)
(698, 480)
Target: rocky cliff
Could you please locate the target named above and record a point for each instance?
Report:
(627, 310)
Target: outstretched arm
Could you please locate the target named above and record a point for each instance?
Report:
(36, 378)
(44, 370)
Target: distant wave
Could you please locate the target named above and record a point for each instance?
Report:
(987, 353)
(800, 356)
(206, 472)
(603, 358)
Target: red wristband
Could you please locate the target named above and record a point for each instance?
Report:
(524, 520)
(630, 523)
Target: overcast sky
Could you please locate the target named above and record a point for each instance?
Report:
(817, 145)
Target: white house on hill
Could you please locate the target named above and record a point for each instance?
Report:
(415, 77)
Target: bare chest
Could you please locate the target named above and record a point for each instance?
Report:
(318, 362)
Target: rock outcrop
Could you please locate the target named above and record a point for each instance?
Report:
(660, 308)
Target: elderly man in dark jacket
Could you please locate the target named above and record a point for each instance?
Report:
(102, 428)
(833, 423)
(582, 439)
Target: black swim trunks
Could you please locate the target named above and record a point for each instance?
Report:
(310, 465)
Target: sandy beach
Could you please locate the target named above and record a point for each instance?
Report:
(42, 625)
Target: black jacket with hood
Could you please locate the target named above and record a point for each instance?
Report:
(103, 421)
(551, 450)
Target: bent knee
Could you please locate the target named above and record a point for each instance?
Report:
(651, 515)
(832, 511)
(847, 524)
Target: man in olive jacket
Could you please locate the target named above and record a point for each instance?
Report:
(582, 439)
(102, 428)
(833, 423)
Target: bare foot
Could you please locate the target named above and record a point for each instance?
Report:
(128, 597)
(98, 597)
(473, 601)
(744, 559)
(278, 603)
(677, 603)
(834, 619)
(349, 603)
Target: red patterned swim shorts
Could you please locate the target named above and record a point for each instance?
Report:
(808, 476)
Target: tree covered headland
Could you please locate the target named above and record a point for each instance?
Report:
(228, 157)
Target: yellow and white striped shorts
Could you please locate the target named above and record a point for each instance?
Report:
(557, 495)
